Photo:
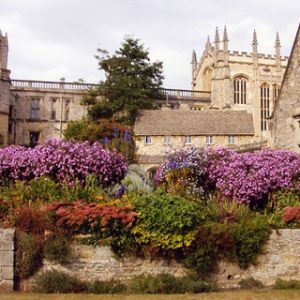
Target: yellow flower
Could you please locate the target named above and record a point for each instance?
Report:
(99, 197)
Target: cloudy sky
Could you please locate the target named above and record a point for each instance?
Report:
(50, 39)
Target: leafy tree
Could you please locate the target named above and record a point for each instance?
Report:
(131, 83)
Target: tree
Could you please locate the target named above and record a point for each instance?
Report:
(131, 83)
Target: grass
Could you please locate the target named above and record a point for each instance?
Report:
(233, 295)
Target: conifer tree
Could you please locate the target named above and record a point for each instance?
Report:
(132, 82)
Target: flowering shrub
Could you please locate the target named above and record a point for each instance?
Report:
(245, 177)
(80, 217)
(249, 177)
(62, 161)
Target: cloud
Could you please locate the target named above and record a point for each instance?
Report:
(54, 39)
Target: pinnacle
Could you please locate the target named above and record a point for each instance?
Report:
(254, 41)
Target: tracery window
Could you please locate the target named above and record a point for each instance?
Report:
(240, 90)
(264, 106)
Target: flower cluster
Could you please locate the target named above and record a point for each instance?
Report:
(249, 177)
(62, 161)
(244, 177)
(80, 217)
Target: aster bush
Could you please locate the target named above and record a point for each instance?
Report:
(244, 177)
(60, 160)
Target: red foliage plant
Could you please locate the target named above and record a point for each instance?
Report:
(79, 216)
(30, 220)
(291, 214)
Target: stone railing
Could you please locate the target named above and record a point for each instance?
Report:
(181, 94)
(78, 86)
(62, 85)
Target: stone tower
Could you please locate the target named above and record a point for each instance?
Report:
(241, 80)
(4, 90)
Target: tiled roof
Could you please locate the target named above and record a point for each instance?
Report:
(189, 122)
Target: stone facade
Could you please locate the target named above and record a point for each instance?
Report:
(286, 117)
(280, 260)
(6, 259)
(44, 111)
(158, 146)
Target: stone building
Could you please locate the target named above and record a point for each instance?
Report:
(161, 131)
(222, 81)
(286, 116)
(240, 80)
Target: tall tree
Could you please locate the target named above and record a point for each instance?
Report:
(132, 83)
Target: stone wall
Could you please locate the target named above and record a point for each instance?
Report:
(6, 259)
(281, 259)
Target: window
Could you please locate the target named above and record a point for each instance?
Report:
(240, 90)
(187, 139)
(10, 119)
(196, 108)
(35, 109)
(147, 139)
(264, 106)
(209, 140)
(34, 137)
(53, 109)
(167, 140)
(231, 139)
(67, 109)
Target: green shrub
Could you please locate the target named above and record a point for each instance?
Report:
(238, 242)
(29, 254)
(106, 287)
(57, 282)
(166, 221)
(168, 284)
(250, 283)
(286, 284)
(58, 250)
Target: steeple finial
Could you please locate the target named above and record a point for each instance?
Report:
(217, 39)
(277, 41)
(254, 40)
(208, 44)
(194, 57)
(225, 35)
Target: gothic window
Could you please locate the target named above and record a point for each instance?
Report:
(264, 106)
(240, 90)
(275, 91)
(35, 109)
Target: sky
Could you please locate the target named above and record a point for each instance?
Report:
(51, 39)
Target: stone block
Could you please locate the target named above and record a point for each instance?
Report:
(6, 258)
(6, 286)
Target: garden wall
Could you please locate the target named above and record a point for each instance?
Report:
(281, 259)
(6, 259)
